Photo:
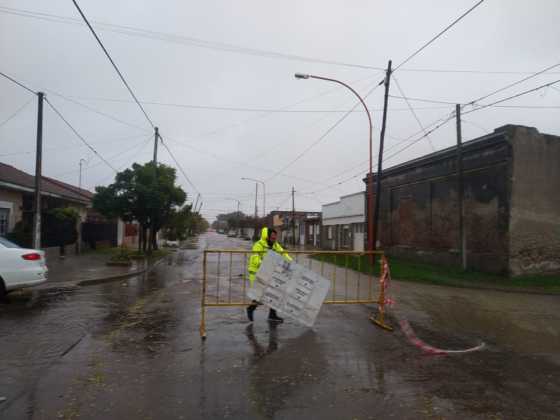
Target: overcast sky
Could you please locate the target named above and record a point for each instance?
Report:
(502, 41)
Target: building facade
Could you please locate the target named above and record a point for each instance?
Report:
(511, 180)
(343, 223)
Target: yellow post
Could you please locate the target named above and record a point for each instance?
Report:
(203, 300)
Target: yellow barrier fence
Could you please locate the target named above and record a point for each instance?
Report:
(225, 279)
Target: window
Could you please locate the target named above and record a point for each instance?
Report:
(329, 232)
(4, 218)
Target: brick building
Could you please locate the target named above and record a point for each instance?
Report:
(511, 187)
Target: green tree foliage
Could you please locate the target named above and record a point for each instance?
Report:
(184, 223)
(60, 227)
(144, 193)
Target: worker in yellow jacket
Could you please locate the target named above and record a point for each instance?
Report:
(261, 247)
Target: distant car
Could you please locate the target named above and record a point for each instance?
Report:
(171, 244)
(20, 267)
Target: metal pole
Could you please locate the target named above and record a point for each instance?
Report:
(460, 192)
(380, 160)
(255, 233)
(80, 179)
(38, 173)
(293, 218)
(370, 174)
(156, 135)
(264, 199)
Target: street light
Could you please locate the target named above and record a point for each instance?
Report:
(371, 233)
(236, 214)
(80, 180)
(264, 191)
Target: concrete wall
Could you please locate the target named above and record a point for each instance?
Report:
(349, 209)
(13, 201)
(419, 214)
(535, 206)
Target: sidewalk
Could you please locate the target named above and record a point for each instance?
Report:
(87, 268)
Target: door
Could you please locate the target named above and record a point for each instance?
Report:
(4, 221)
(358, 237)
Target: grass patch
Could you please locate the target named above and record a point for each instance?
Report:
(444, 275)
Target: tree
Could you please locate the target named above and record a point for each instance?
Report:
(60, 228)
(144, 193)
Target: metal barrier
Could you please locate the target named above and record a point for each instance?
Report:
(225, 279)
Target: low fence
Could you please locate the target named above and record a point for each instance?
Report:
(225, 279)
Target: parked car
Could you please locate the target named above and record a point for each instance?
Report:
(20, 267)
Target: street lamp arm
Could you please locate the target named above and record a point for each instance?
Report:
(310, 76)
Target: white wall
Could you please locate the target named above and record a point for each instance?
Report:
(350, 209)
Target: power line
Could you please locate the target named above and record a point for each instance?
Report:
(197, 42)
(18, 83)
(511, 97)
(413, 112)
(414, 54)
(96, 111)
(179, 165)
(77, 146)
(78, 134)
(249, 109)
(15, 113)
(431, 101)
(113, 63)
(323, 136)
(513, 84)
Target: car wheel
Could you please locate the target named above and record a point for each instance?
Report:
(3, 292)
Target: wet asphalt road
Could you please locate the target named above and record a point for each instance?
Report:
(131, 350)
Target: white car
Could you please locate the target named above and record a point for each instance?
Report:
(20, 267)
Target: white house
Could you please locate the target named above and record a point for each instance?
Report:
(344, 222)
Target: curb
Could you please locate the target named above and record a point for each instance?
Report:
(99, 280)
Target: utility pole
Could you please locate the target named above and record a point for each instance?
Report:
(156, 136)
(80, 179)
(38, 173)
(196, 202)
(293, 218)
(460, 192)
(255, 233)
(373, 243)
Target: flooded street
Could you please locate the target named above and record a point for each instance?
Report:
(131, 349)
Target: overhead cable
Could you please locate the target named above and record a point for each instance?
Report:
(413, 113)
(18, 83)
(113, 63)
(17, 111)
(79, 135)
(415, 53)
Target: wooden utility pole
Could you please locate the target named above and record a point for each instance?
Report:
(156, 136)
(293, 217)
(373, 243)
(38, 173)
(460, 190)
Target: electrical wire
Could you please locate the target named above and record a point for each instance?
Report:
(513, 84)
(179, 165)
(415, 53)
(113, 63)
(18, 83)
(323, 136)
(57, 112)
(96, 111)
(21, 108)
(197, 42)
(413, 113)
(511, 97)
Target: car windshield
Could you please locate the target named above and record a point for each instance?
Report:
(7, 244)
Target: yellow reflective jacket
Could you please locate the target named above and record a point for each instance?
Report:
(261, 248)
